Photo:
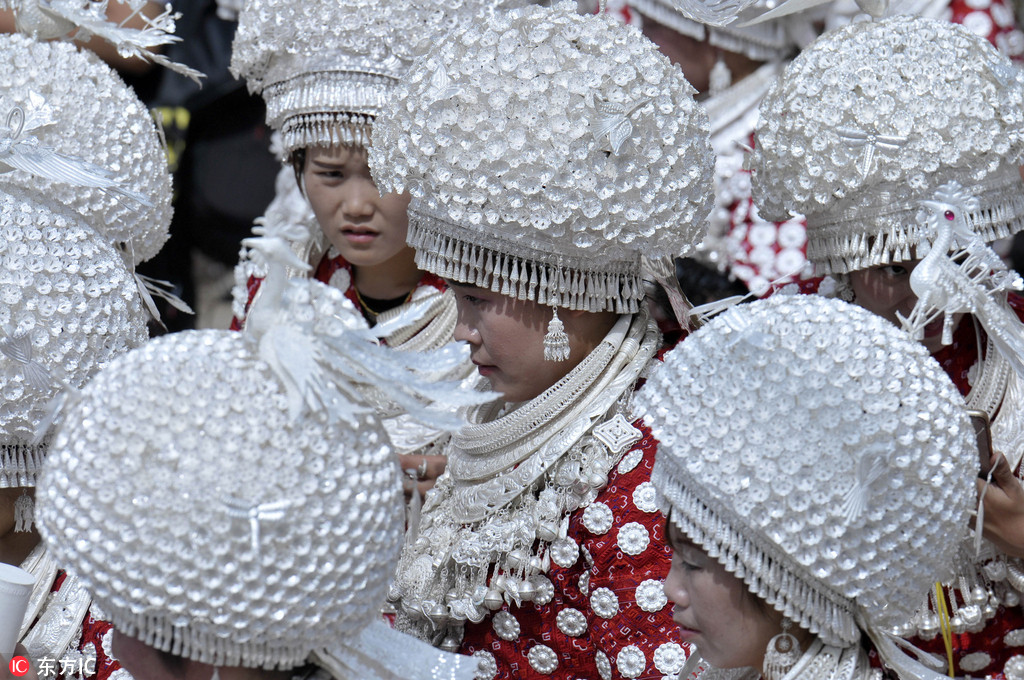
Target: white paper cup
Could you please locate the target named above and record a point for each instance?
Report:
(15, 591)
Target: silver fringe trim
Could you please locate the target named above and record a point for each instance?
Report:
(884, 229)
(767, 571)
(158, 632)
(20, 464)
(516, 269)
(325, 129)
(320, 108)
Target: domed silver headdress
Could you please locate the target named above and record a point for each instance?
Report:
(69, 306)
(546, 152)
(915, 156)
(259, 501)
(822, 457)
(78, 106)
(327, 69)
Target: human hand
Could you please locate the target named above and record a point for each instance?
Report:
(1004, 508)
(421, 472)
(7, 672)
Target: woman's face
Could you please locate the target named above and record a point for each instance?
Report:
(146, 663)
(885, 290)
(714, 610)
(365, 227)
(506, 341)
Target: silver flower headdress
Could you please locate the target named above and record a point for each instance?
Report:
(327, 69)
(91, 114)
(874, 118)
(546, 152)
(69, 306)
(820, 455)
(258, 495)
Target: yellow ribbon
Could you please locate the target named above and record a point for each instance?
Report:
(944, 625)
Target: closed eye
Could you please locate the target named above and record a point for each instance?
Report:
(895, 270)
(688, 564)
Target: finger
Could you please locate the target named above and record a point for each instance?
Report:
(424, 467)
(435, 466)
(1003, 477)
(425, 486)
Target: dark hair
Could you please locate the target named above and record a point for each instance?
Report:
(297, 159)
(172, 662)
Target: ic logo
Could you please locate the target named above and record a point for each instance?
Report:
(19, 666)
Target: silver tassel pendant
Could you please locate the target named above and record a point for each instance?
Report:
(24, 514)
(720, 78)
(782, 654)
(556, 342)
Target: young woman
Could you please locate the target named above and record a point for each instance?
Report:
(904, 173)
(817, 468)
(540, 550)
(74, 220)
(325, 70)
(248, 534)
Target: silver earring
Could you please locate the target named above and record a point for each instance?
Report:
(782, 654)
(720, 77)
(24, 513)
(556, 342)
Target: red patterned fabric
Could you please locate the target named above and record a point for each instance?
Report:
(94, 644)
(764, 255)
(985, 653)
(326, 272)
(991, 19)
(960, 356)
(602, 564)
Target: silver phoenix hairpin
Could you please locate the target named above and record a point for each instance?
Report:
(53, 19)
(20, 150)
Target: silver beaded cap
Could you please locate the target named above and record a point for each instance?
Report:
(547, 151)
(68, 306)
(327, 68)
(234, 534)
(98, 118)
(876, 116)
(818, 453)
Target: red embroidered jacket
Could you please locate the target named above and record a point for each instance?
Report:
(984, 653)
(333, 271)
(608, 616)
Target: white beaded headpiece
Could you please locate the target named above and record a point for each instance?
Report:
(233, 535)
(547, 151)
(68, 306)
(91, 114)
(820, 455)
(258, 502)
(327, 68)
(875, 118)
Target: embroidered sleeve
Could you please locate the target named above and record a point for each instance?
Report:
(95, 646)
(622, 538)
